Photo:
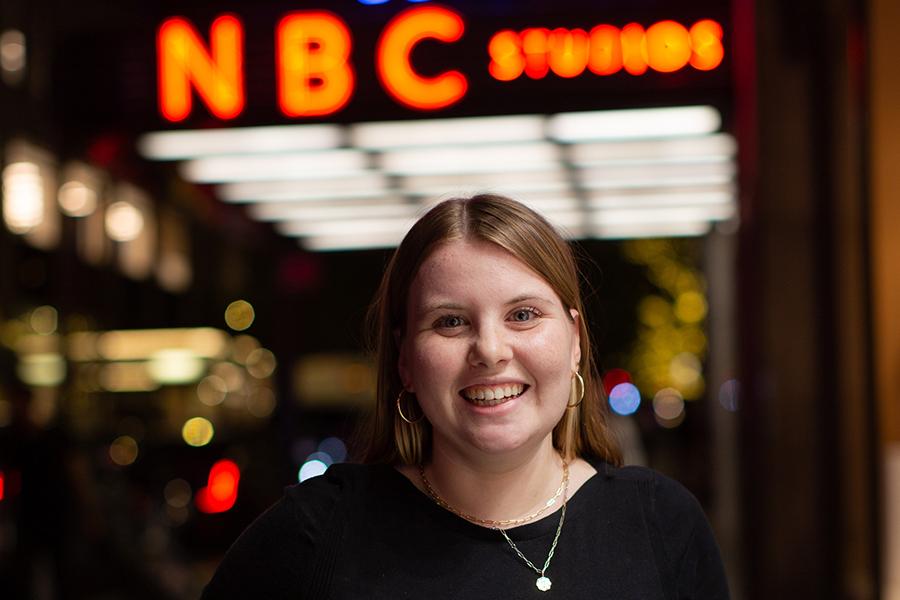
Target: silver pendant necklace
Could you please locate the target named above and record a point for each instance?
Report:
(543, 582)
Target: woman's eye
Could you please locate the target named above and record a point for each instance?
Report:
(449, 322)
(523, 315)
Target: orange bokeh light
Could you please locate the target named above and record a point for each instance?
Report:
(568, 51)
(505, 50)
(535, 45)
(221, 490)
(634, 49)
(605, 56)
(395, 46)
(314, 73)
(668, 46)
(706, 44)
(184, 63)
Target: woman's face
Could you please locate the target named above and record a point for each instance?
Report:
(489, 350)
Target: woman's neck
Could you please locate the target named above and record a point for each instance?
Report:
(496, 487)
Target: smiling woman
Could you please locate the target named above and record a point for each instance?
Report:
(491, 472)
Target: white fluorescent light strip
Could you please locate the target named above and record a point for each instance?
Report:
(250, 167)
(648, 175)
(293, 212)
(363, 241)
(592, 183)
(196, 143)
(633, 124)
(660, 200)
(447, 132)
(535, 180)
(651, 230)
(716, 145)
(346, 227)
(470, 159)
(615, 217)
(359, 185)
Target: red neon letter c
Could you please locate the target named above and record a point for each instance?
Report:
(397, 42)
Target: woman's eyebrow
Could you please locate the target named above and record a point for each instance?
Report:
(527, 297)
(428, 308)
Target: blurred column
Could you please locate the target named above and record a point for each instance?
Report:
(807, 414)
(884, 149)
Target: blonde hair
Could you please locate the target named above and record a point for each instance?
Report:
(583, 430)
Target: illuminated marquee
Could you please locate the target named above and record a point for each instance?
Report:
(315, 75)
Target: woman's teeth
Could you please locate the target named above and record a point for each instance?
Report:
(491, 395)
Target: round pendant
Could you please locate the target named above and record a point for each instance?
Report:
(543, 583)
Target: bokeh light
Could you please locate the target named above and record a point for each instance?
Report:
(311, 468)
(23, 196)
(197, 431)
(690, 307)
(685, 369)
(668, 407)
(261, 363)
(177, 493)
(625, 399)
(44, 320)
(124, 222)
(12, 55)
(261, 402)
(239, 315)
(322, 457)
(124, 450)
(614, 377)
(175, 366)
(335, 448)
(231, 374)
(77, 199)
(221, 491)
(42, 370)
(242, 346)
(212, 390)
(730, 394)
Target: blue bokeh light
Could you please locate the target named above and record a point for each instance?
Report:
(311, 468)
(335, 448)
(323, 457)
(370, 2)
(625, 399)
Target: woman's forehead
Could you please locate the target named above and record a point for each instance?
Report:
(465, 267)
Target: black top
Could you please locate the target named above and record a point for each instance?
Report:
(363, 531)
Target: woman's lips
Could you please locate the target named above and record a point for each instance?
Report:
(491, 395)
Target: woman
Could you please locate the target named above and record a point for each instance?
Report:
(490, 470)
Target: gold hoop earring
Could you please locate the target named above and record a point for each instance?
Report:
(400, 410)
(580, 379)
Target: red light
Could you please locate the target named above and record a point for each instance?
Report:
(614, 377)
(1, 485)
(221, 490)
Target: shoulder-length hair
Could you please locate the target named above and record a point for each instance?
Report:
(386, 438)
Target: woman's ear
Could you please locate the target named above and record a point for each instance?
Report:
(576, 338)
(402, 363)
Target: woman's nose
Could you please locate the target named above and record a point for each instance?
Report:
(490, 346)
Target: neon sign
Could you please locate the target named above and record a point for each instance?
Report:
(315, 75)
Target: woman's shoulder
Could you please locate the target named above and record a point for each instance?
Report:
(659, 492)
(280, 550)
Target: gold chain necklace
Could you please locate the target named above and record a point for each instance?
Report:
(490, 522)
(543, 582)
